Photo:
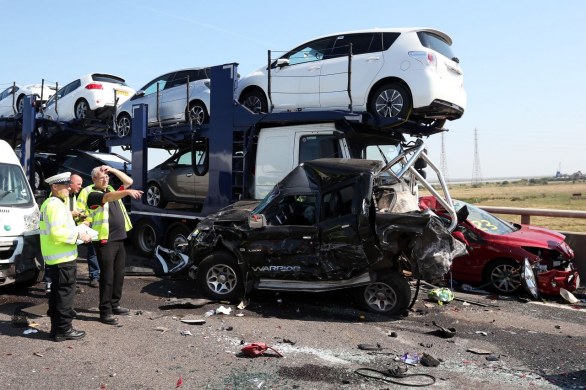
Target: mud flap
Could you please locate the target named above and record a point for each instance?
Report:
(170, 261)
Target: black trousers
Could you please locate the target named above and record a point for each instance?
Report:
(61, 297)
(112, 258)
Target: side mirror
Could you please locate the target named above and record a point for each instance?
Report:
(139, 93)
(281, 62)
(462, 214)
(257, 221)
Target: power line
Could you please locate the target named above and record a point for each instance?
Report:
(476, 172)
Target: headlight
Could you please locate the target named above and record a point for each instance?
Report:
(31, 221)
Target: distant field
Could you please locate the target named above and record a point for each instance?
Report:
(529, 194)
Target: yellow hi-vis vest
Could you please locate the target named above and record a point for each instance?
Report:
(58, 232)
(82, 202)
(100, 218)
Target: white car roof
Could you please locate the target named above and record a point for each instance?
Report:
(398, 29)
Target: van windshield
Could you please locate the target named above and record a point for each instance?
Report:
(14, 188)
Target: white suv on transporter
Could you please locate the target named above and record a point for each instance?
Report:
(409, 73)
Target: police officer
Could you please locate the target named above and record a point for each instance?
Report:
(59, 237)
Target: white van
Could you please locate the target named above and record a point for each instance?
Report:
(20, 254)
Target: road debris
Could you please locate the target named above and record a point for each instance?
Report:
(444, 332)
(258, 349)
(478, 351)
(193, 322)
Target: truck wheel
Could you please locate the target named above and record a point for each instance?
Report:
(390, 296)
(177, 236)
(504, 276)
(389, 101)
(145, 237)
(155, 196)
(220, 278)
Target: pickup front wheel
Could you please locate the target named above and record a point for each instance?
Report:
(390, 295)
(219, 277)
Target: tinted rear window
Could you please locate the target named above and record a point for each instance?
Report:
(108, 79)
(435, 42)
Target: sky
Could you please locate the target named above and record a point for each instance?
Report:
(523, 60)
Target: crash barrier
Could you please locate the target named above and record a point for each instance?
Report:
(576, 241)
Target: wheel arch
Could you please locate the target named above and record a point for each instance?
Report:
(386, 80)
(251, 88)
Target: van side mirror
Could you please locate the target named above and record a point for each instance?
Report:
(257, 221)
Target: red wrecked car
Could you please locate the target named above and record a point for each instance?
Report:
(497, 249)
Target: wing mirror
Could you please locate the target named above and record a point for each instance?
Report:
(257, 221)
(460, 237)
(281, 62)
(139, 93)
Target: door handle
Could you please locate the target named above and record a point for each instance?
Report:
(370, 59)
(307, 237)
(344, 226)
(189, 174)
(312, 68)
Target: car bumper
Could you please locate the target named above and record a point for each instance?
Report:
(550, 282)
(18, 258)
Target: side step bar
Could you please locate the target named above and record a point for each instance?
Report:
(311, 286)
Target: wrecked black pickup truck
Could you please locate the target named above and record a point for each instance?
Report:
(330, 224)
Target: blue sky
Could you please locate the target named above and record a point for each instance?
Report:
(523, 60)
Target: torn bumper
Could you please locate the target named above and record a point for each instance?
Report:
(550, 282)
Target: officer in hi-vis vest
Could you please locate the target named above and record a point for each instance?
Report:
(59, 237)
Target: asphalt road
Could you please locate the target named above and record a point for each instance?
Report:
(502, 342)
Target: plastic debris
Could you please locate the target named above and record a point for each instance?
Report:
(258, 349)
(240, 315)
(209, 313)
(186, 333)
(411, 359)
(568, 296)
(443, 295)
(38, 354)
(161, 329)
(224, 310)
(29, 331)
(243, 303)
(179, 382)
(481, 332)
(393, 334)
(493, 358)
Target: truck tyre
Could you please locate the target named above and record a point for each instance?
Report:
(391, 295)
(503, 276)
(219, 277)
(390, 100)
(177, 235)
(145, 238)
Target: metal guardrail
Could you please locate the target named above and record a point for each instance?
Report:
(526, 214)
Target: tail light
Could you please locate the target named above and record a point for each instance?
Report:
(94, 86)
(425, 57)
